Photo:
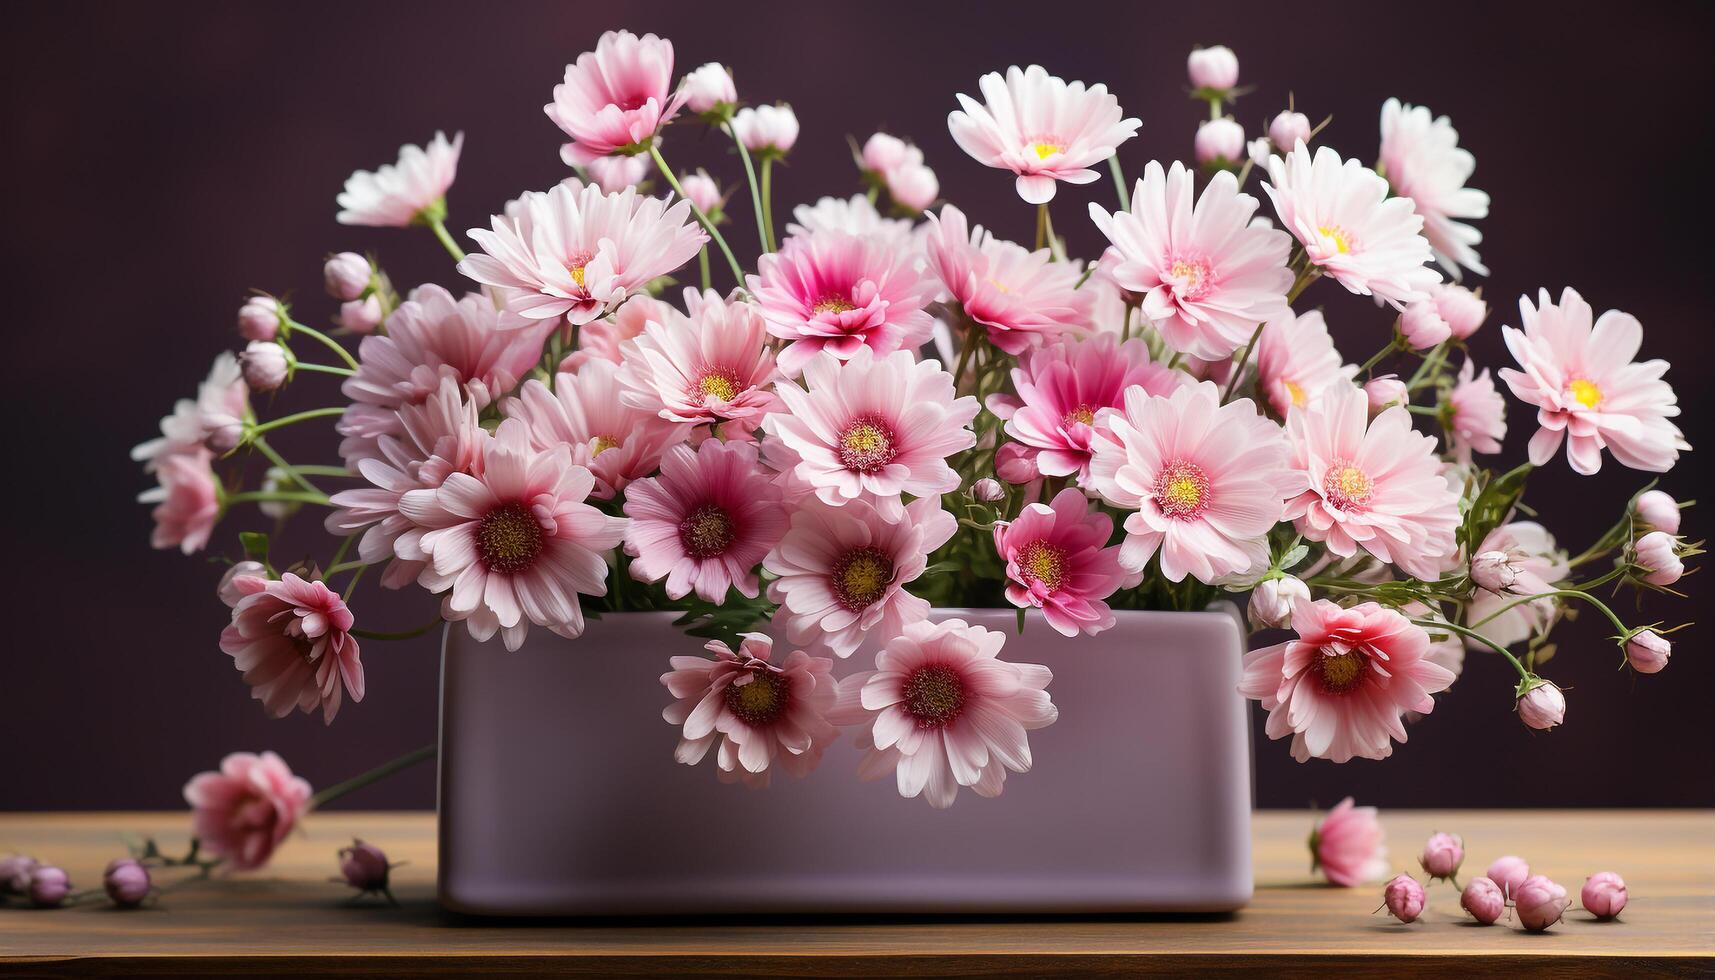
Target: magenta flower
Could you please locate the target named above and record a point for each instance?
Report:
(1021, 298)
(1040, 128)
(618, 442)
(705, 522)
(615, 98)
(245, 810)
(1296, 361)
(713, 366)
(292, 639)
(405, 193)
(1056, 560)
(1421, 158)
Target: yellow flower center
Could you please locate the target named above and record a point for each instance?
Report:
(1083, 413)
(601, 444)
(1346, 486)
(1337, 237)
(933, 695)
(718, 384)
(707, 532)
(833, 304)
(575, 267)
(1043, 563)
(1182, 490)
(1341, 672)
(861, 576)
(1295, 391)
(867, 444)
(1044, 150)
(1585, 392)
(761, 700)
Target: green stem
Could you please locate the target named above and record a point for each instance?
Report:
(703, 265)
(1119, 182)
(323, 368)
(283, 496)
(316, 469)
(750, 175)
(295, 418)
(400, 635)
(708, 226)
(439, 227)
(1244, 362)
(380, 772)
(768, 203)
(1392, 346)
(1125, 328)
(344, 566)
(293, 326)
(296, 474)
(1041, 225)
(351, 586)
(1473, 634)
(1570, 594)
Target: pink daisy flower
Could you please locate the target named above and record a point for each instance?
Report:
(1040, 128)
(617, 442)
(615, 98)
(714, 366)
(1587, 389)
(1477, 414)
(874, 427)
(1534, 562)
(1057, 562)
(1206, 273)
(1350, 228)
(941, 710)
(1062, 388)
(1206, 481)
(1421, 159)
(855, 215)
(430, 337)
(602, 339)
(245, 810)
(1022, 298)
(705, 522)
(841, 571)
(1296, 362)
(1340, 688)
(1374, 484)
(515, 544)
(839, 292)
(579, 253)
(759, 716)
(292, 639)
(187, 500)
(409, 192)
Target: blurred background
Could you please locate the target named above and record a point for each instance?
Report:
(165, 159)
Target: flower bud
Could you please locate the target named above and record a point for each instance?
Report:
(1215, 68)
(228, 591)
(1442, 855)
(1508, 873)
(360, 315)
(615, 173)
(222, 432)
(126, 882)
(1658, 510)
(346, 275)
(1422, 325)
(988, 490)
(1272, 600)
(264, 364)
(1658, 554)
(1404, 898)
(1539, 902)
(883, 154)
(1648, 651)
(709, 89)
(1463, 309)
(1015, 464)
(1542, 707)
(49, 886)
(770, 130)
(15, 872)
(259, 318)
(1483, 899)
(1385, 391)
(1603, 894)
(914, 187)
(703, 193)
(364, 866)
(1288, 129)
(1219, 142)
(1494, 571)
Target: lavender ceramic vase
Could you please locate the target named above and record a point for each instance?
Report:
(559, 794)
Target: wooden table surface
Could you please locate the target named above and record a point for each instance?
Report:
(290, 919)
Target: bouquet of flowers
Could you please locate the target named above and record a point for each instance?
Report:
(892, 409)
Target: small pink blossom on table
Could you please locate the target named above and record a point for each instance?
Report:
(245, 810)
(49, 887)
(1509, 872)
(1539, 903)
(126, 882)
(1348, 846)
(1603, 894)
(1442, 855)
(1484, 900)
(1404, 898)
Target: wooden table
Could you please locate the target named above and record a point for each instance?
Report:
(291, 919)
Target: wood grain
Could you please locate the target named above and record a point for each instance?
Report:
(289, 919)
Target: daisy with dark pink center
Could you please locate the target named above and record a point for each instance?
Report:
(1021, 298)
(1057, 560)
(713, 366)
(1041, 128)
(292, 640)
(1207, 481)
(615, 98)
(705, 522)
(1296, 361)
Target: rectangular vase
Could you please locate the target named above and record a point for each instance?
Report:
(559, 794)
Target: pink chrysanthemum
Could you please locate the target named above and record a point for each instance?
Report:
(1370, 484)
(1207, 275)
(855, 215)
(602, 339)
(1421, 158)
(579, 253)
(1296, 361)
(1062, 388)
(1040, 128)
(841, 572)
(619, 443)
(874, 427)
(1056, 560)
(759, 716)
(1206, 480)
(1340, 211)
(838, 292)
(1022, 298)
(292, 639)
(941, 710)
(515, 544)
(1340, 688)
(405, 193)
(713, 366)
(1477, 414)
(1587, 389)
(432, 336)
(1534, 563)
(615, 98)
(705, 522)
(245, 810)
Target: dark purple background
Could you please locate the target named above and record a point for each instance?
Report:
(164, 159)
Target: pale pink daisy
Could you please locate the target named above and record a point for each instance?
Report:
(874, 427)
(579, 253)
(1062, 388)
(1374, 484)
(602, 339)
(1340, 688)
(1207, 275)
(516, 544)
(618, 442)
(244, 811)
(292, 639)
(1476, 414)
(1296, 361)
(1022, 298)
(1206, 481)
(855, 215)
(713, 366)
(1040, 128)
(1533, 563)
(705, 522)
(215, 418)
(615, 98)
(187, 500)
(1057, 560)
(839, 292)
(1588, 390)
(758, 715)
(1350, 228)
(412, 191)
(1421, 159)
(841, 572)
(941, 710)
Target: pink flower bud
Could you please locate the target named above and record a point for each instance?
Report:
(221, 432)
(1272, 599)
(228, 591)
(702, 191)
(1648, 651)
(1463, 310)
(15, 872)
(1385, 391)
(710, 89)
(264, 364)
(49, 886)
(615, 173)
(1288, 128)
(1658, 554)
(1404, 897)
(1219, 141)
(1422, 325)
(259, 318)
(770, 130)
(126, 882)
(1214, 68)
(988, 490)
(1494, 571)
(1509, 873)
(364, 866)
(913, 186)
(360, 315)
(1015, 464)
(1542, 707)
(1659, 511)
(346, 275)
(1483, 899)
(1603, 894)
(1442, 855)
(883, 154)
(1539, 902)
